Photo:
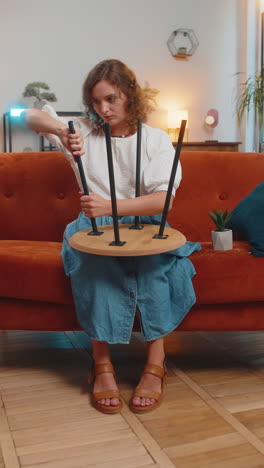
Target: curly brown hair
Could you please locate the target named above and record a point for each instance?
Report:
(119, 75)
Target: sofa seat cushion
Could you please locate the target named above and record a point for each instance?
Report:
(33, 270)
(229, 276)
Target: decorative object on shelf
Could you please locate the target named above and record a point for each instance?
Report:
(174, 123)
(252, 97)
(211, 121)
(182, 43)
(35, 88)
(222, 238)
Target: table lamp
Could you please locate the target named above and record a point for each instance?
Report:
(174, 122)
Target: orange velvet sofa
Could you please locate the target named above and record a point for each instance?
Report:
(39, 196)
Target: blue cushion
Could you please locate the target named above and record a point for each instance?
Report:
(247, 220)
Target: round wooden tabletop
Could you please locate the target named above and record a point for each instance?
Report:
(137, 242)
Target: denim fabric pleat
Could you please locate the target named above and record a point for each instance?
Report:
(107, 290)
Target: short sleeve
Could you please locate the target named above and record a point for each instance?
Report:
(160, 153)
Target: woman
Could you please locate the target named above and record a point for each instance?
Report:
(108, 290)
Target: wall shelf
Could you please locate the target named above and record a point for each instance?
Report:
(210, 146)
(182, 43)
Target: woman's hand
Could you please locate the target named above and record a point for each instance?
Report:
(42, 122)
(72, 141)
(94, 205)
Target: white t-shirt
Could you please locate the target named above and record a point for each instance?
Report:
(157, 155)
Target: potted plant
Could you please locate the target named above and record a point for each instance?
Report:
(150, 95)
(35, 88)
(222, 238)
(252, 96)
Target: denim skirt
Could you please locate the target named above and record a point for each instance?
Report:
(107, 290)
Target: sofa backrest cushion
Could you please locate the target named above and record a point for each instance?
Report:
(39, 192)
(216, 180)
(38, 195)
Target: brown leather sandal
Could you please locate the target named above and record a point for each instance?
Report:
(96, 396)
(142, 392)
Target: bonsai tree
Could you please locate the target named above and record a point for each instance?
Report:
(34, 89)
(220, 219)
(252, 96)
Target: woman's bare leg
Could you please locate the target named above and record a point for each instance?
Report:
(106, 381)
(155, 355)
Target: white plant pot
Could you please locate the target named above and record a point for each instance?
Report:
(39, 104)
(222, 240)
(32, 101)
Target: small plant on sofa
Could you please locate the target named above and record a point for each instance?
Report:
(222, 237)
(220, 219)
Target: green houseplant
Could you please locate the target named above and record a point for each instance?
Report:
(251, 96)
(222, 237)
(150, 95)
(220, 219)
(34, 89)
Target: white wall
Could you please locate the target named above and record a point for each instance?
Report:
(58, 41)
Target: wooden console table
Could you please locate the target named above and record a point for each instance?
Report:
(210, 146)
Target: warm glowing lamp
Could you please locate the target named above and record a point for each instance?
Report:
(175, 118)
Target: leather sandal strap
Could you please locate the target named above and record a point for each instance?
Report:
(146, 393)
(154, 370)
(104, 368)
(106, 394)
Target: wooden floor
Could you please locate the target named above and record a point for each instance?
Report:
(212, 414)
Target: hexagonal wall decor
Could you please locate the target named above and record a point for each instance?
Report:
(182, 43)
